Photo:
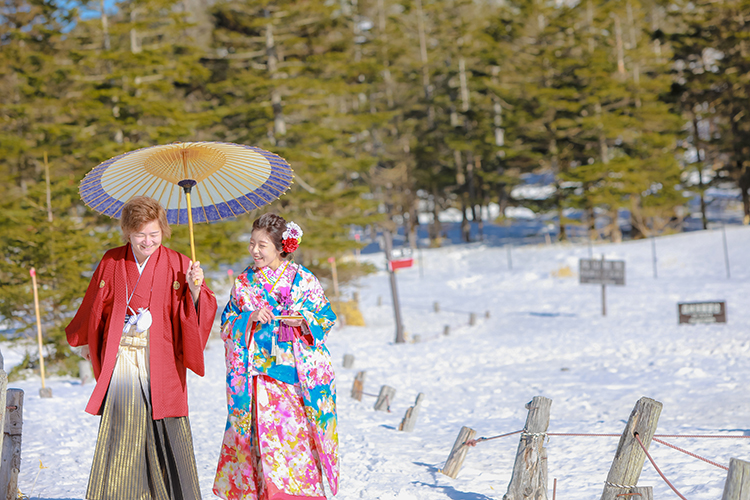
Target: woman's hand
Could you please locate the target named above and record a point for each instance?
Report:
(194, 279)
(262, 316)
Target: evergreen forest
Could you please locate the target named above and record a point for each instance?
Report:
(385, 109)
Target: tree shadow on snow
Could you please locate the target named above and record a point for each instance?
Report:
(453, 493)
(745, 432)
(551, 314)
(431, 468)
(45, 498)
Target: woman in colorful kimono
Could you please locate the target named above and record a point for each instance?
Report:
(145, 318)
(281, 435)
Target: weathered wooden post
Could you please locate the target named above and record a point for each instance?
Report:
(737, 486)
(529, 478)
(85, 372)
(11, 455)
(458, 452)
(348, 360)
(410, 418)
(604, 293)
(334, 274)
(472, 319)
(486, 315)
(436, 306)
(509, 246)
(387, 237)
(358, 387)
(629, 457)
(380, 300)
(639, 493)
(385, 398)
(447, 330)
(3, 397)
(44, 392)
(726, 250)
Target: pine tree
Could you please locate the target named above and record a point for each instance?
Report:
(285, 85)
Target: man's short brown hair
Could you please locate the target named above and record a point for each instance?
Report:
(138, 212)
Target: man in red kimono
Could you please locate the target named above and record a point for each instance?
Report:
(145, 319)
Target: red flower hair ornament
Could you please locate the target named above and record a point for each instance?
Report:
(291, 238)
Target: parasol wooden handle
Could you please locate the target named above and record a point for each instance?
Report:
(187, 187)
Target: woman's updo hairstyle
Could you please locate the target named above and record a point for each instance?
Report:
(274, 225)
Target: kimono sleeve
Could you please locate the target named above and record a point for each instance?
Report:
(317, 311)
(77, 331)
(194, 324)
(234, 322)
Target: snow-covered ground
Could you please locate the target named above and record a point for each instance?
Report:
(545, 336)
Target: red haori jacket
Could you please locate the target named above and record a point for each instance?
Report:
(177, 337)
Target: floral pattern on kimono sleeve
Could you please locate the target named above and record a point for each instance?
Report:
(231, 312)
(234, 326)
(317, 380)
(315, 307)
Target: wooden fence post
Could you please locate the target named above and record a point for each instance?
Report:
(529, 478)
(458, 452)
(472, 319)
(385, 398)
(85, 372)
(348, 360)
(11, 455)
(447, 330)
(3, 397)
(737, 486)
(410, 418)
(629, 458)
(639, 493)
(358, 386)
(436, 306)
(486, 315)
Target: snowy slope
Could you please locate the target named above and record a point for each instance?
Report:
(545, 336)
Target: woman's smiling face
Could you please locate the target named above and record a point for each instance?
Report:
(263, 251)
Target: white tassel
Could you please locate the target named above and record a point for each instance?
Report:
(274, 348)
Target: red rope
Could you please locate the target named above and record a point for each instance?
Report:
(581, 434)
(692, 436)
(638, 438)
(700, 436)
(691, 454)
(473, 442)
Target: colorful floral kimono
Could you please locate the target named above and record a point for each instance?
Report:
(281, 434)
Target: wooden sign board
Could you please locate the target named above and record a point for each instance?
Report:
(702, 312)
(601, 272)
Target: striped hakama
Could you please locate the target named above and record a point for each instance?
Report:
(137, 457)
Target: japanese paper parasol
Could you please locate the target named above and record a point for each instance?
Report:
(225, 180)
